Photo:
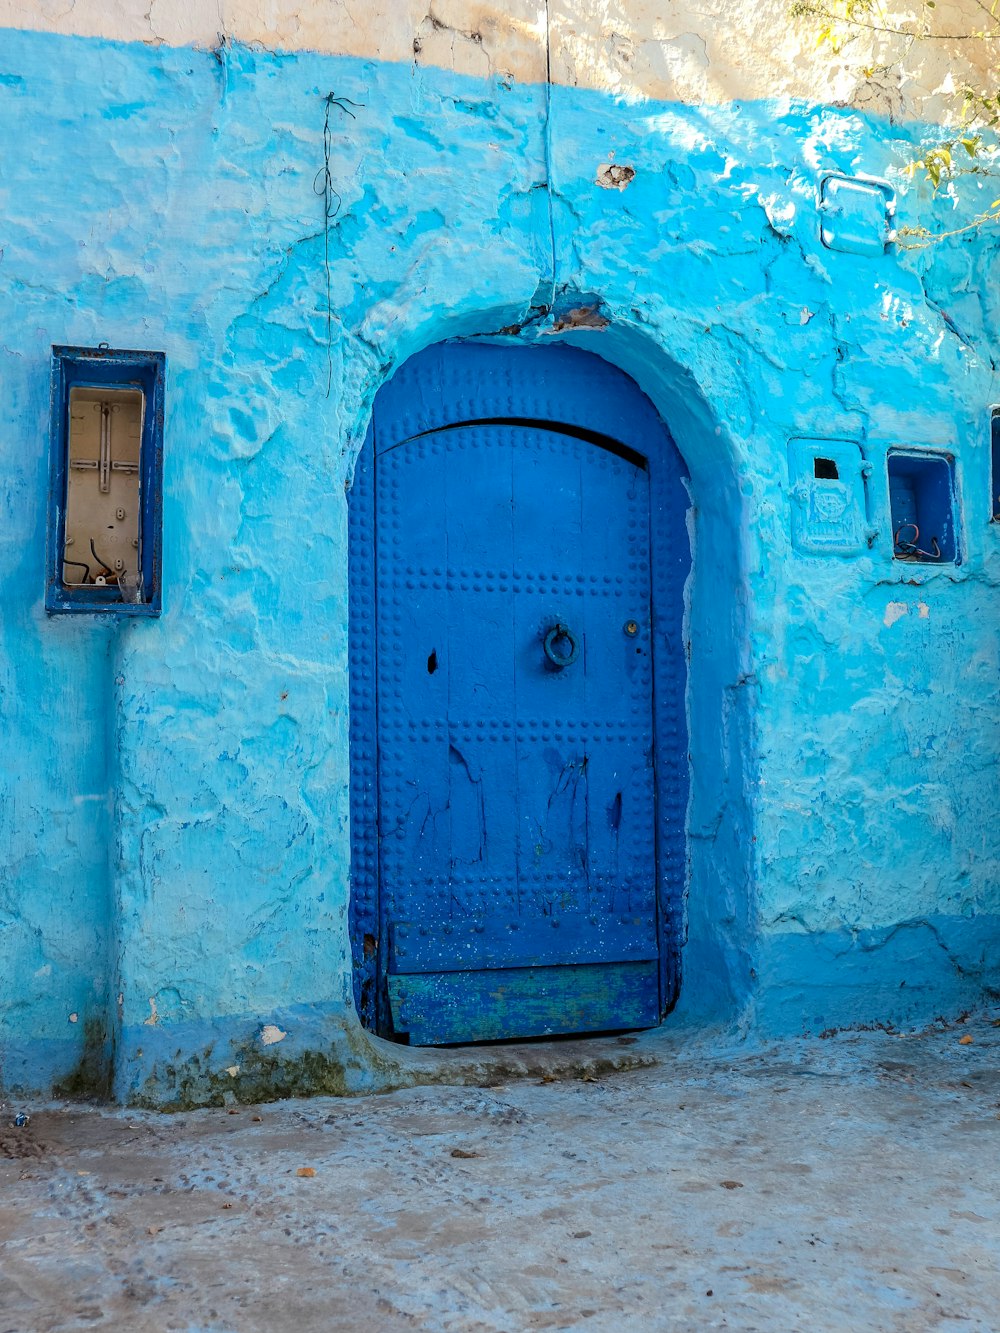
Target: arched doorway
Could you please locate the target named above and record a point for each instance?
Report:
(518, 744)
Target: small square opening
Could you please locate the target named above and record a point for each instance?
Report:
(825, 469)
(922, 507)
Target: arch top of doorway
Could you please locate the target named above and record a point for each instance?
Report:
(453, 383)
(692, 379)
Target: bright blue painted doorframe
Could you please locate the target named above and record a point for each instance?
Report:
(584, 397)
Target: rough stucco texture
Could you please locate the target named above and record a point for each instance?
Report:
(174, 891)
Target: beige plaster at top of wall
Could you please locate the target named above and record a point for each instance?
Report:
(688, 50)
(463, 35)
(723, 50)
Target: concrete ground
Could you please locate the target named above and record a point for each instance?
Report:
(846, 1183)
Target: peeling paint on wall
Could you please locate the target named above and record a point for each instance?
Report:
(611, 176)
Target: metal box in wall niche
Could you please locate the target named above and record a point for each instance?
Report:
(923, 506)
(829, 500)
(105, 491)
(856, 215)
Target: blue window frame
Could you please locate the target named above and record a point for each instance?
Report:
(106, 482)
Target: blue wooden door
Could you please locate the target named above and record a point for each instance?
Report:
(515, 735)
(518, 746)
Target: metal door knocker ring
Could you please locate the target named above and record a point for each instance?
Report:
(555, 635)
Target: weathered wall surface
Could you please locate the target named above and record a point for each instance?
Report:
(173, 901)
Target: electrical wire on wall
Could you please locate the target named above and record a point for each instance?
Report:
(548, 152)
(909, 549)
(332, 202)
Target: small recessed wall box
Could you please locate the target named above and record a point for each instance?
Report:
(856, 214)
(829, 496)
(922, 506)
(106, 473)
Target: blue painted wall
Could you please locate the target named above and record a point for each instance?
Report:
(174, 812)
